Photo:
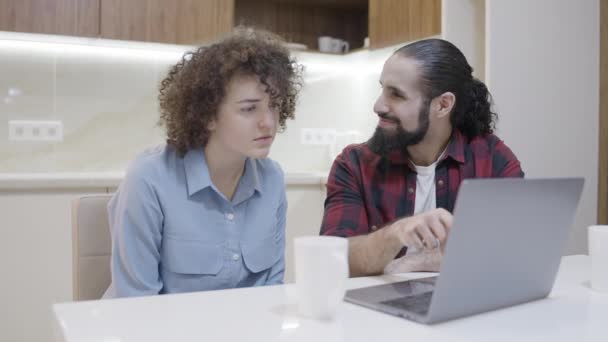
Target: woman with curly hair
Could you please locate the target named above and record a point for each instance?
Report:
(207, 209)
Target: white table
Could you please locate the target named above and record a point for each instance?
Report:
(573, 312)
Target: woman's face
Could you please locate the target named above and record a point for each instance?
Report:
(246, 123)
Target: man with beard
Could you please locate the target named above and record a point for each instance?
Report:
(392, 196)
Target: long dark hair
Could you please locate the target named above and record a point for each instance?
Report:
(443, 68)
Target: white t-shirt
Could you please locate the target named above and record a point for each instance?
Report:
(426, 198)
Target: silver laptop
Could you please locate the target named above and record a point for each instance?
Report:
(504, 249)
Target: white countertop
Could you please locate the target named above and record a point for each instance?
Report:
(72, 180)
(572, 312)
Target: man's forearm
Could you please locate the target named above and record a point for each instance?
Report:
(369, 254)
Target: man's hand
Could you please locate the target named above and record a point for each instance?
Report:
(426, 230)
(369, 254)
(426, 260)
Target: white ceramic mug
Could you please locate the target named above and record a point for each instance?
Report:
(321, 264)
(598, 251)
(326, 44)
(339, 46)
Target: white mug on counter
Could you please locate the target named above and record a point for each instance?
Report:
(333, 45)
(340, 45)
(325, 44)
(321, 266)
(598, 252)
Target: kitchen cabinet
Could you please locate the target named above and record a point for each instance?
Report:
(63, 17)
(36, 258)
(178, 22)
(196, 22)
(395, 21)
(385, 22)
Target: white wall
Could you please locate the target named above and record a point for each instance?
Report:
(463, 24)
(542, 66)
(105, 93)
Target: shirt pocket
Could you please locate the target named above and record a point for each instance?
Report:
(192, 257)
(260, 255)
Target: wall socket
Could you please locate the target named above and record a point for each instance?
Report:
(35, 130)
(317, 136)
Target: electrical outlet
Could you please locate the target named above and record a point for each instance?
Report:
(35, 130)
(317, 136)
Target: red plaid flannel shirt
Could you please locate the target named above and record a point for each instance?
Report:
(366, 192)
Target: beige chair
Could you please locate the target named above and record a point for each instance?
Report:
(91, 247)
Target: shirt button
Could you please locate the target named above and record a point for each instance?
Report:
(440, 182)
(410, 190)
(374, 228)
(235, 257)
(230, 216)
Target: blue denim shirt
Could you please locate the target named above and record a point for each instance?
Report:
(173, 231)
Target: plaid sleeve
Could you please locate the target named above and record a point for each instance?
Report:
(345, 213)
(505, 163)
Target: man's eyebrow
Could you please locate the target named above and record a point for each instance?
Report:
(397, 89)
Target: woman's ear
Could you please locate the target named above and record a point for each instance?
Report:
(444, 104)
(212, 125)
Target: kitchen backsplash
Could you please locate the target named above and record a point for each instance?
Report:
(105, 94)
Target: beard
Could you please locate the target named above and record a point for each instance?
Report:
(383, 142)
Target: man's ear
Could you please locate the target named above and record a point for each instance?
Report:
(444, 103)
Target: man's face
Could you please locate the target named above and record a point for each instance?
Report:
(403, 111)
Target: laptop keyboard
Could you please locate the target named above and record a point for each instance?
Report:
(418, 304)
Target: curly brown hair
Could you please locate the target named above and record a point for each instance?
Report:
(191, 93)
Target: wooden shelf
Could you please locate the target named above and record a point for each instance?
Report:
(304, 23)
(360, 4)
(385, 22)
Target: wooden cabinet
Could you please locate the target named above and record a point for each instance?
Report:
(385, 22)
(65, 17)
(177, 21)
(395, 21)
(304, 21)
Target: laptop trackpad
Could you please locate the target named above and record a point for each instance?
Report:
(418, 303)
(414, 295)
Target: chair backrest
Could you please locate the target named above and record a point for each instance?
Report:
(91, 247)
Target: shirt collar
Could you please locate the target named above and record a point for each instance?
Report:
(250, 180)
(197, 172)
(456, 146)
(198, 178)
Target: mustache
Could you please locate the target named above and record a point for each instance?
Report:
(387, 116)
